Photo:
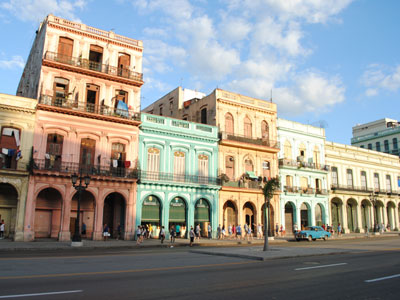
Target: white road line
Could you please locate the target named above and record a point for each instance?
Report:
(323, 266)
(40, 294)
(383, 278)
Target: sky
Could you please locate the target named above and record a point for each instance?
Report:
(327, 63)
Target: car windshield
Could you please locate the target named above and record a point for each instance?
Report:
(309, 228)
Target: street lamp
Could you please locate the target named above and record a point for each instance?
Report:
(80, 188)
(373, 199)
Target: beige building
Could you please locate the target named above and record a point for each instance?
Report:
(248, 148)
(17, 118)
(361, 180)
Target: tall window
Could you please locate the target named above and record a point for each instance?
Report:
(230, 167)
(65, 47)
(289, 183)
(349, 178)
(378, 146)
(124, 61)
(363, 180)
(318, 185)
(179, 166)
(60, 91)
(304, 184)
(266, 167)
(370, 146)
(248, 165)
(264, 130)
(316, 156)
(229, 124)
(54, 149)
(203, 168)
(376, 182)
(247, 127)
(161, 110)
(334, 175)
(287, 150)
(204, 115)
(9, 145)
(395, 145)
(87, 152)
(302, 150)
(118, 155)
(153, 163)
(386, 145)
(388, 184)
(95, 57)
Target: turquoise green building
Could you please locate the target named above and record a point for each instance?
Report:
(178, 182)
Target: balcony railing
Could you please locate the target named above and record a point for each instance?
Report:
(178, 178)
(302, 164)
(351, 188)
(247, 184)
(305, 191)
(92, 170)
(249, 140)
(94, 66)
(104, 110)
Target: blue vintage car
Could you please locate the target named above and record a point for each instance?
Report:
(312, 233)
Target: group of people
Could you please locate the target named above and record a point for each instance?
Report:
(237, 233)
(144, 232)
(279, 230)
(107, 232)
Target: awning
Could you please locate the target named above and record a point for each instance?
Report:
(252, 175)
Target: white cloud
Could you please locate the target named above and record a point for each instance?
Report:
(234, 29)
(37, 10)
(379, 77)
(15, 62)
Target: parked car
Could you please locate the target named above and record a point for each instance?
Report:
(312, 233)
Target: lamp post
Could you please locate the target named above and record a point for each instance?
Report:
(373, 199)
(80, 188)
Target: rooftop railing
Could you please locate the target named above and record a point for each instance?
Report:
(249, 140)
(178, 178)
(69, 103)
(84, 63)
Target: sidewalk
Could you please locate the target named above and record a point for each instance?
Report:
(50, 244)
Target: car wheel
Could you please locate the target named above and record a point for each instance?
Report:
(325, 238)
(310, 238)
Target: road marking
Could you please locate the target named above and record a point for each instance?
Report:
(383, 278)
(40, 294)
(127, 271)
(316, 267)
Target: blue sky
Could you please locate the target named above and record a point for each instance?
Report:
(333, 63)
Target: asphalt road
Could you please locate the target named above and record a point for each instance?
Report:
(371, 273)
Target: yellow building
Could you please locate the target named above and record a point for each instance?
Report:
(17, 117)
(360, 180)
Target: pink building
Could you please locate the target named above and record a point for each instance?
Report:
(87, 82)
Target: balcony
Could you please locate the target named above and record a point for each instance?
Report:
(249, 140)
(69, 104)
(351, 188)
(93, 68)
(283, 162)
(304, 191)
(68, 168)
(177, 178)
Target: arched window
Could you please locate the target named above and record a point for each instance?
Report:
(302, 151)
(264, 130)
(54, 149)
(179, 166)
(153, 163)
(248, 165)
(203, 168)
(247, 127)
(287, 150)
(229, 124)
(316, 157)
(230, 167)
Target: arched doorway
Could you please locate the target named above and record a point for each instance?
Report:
(249, 215)
(336, 211)
(230, 214)
(319, 215)
(114, 213)
(48, 213)
(86, 214)
(151, 213)
(351, 209)
(8, 208)
(290, 219)
(305, 215)
(366, 215)
(177, 215)
(390, 209)
(202, 215)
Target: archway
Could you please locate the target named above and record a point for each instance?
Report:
(8, 208)
(202, 215)
(151, 213)
(230, 214)
(319, 215)
(86, 214)
(351, 208)
(48, 213)
(366, 215)
(249, 215)
(336, 211)
(390, 209)
(305, 215)
(114, 214)
(177, 215)
(290, 217)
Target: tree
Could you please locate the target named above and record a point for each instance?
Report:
(269, 189)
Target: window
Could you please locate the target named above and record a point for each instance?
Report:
(230, 167)
(349, 178)
(266, 167)
(362, 146)
(124, 61)
(153, 163)
(118, 155)
(229, 124)
(248, 165)
(395, 146)
(171, 105)
(302, 151)
(161, 110)
(92, 97)
(204, 116)
(179, 166)
(203, 168)
(54, 149)
(318, 186)
(388, 184)
(378, 146)
(304, 184)
(65, 47)
(60, 91)
(87, 152)
(364, 180)
(95, 57)
(334, 175)
(386, 145)
(370, 146)
(9, 144)
(264, 130)
(247, 127)
(289, 184)
(376, 182)
(316, 156)
(287, 149)
(122, 96)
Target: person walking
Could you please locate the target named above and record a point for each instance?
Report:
(229, 231)
(249, 234)
(138, 235)
(162, 234)
(209, 231)
(178, 231)
(259, 232)
(223, 232)
(83, 229)
(219, 231)
(106, 232)
(339, 229)
(295, 229)
(172, 234)
(191, 235)
(197, 231)
(239, 232)
(277, 229)
(2, 229)
(118, 231)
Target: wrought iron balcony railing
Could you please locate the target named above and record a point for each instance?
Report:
(306, 191)
(249, 140)
(255, 185)
(69, 103)
(303, 164)
(94, 66)
(179, 178)
(92, 170)
(351, 188)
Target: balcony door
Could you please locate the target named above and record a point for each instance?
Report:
(92, 97)
(65, 47)
(60, 91)
(124, 61)
(54, 149)
(88, 147)
(95, 57)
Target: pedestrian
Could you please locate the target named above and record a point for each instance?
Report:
(245, 229)
(143, 233)
(197, 231)
(323, 226)
(277, 229)
(209, 231)
(239, 232)
(295, 229)
(249, 235)
(138, 235)
(191, 235)
(2, 229)
(223, 232)
(219, 231)
(230, 231)
(259, 231)
(106, 232)
(83, 229)
(281, 230)
(172, 234)
(234, 234)
(366, 231)
(162, 234)
(178, 230)
(339, 229)
(118, 231)
(150, 231)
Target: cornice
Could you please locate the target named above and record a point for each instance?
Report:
(248, 146)
(246, 106)
(18, 109)
(178, 135)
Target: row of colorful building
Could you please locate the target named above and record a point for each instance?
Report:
(189, 158)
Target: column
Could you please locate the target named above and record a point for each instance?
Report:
(98, 216)
(65, 234)
(359, 219)
(396, 218)
(312, 213)
(29, 233)
(345, 224)
(130, 218)
(19, 226)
